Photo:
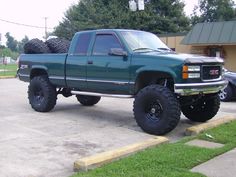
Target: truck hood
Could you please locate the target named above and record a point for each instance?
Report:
(185, 58)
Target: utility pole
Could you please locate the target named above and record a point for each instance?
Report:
(46, 28)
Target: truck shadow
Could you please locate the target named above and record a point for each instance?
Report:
(120, 115)
(99, 114)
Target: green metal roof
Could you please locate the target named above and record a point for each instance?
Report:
(212, 33)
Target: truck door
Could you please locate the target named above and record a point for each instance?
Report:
(106, 72)
(76, 62)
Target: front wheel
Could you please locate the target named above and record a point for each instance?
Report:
(203, 109)
(42, 94)
(156, 110)
(88, 100)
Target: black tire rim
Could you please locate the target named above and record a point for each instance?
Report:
(38, 95)
(154, 111)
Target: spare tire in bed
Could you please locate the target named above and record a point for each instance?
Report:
(36, 46)
(58, 45)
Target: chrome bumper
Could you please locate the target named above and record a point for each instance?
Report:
(200, 88)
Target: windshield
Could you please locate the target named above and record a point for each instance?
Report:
(140, 41)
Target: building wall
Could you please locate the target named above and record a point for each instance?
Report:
(174, 42)
(229, 50)
(230, 57)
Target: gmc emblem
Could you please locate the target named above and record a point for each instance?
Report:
(214, 72)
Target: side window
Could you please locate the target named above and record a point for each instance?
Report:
(83, 44)
(103, 44)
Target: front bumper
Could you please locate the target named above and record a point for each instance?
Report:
(199, 88)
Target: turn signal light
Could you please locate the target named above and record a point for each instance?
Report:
(185, 76)
(185, 68)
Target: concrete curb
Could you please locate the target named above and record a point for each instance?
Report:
(194, 130)
(97, 160)
(7, 77)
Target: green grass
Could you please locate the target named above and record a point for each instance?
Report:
(169, 160)
(8, 70)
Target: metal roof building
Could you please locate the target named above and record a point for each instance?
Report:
(215, 33)
(208, 39)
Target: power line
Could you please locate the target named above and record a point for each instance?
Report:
(21, 24)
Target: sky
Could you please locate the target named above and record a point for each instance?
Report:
(33, 12)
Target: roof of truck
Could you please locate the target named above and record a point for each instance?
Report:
(107, 30)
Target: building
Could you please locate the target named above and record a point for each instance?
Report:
(209, 39)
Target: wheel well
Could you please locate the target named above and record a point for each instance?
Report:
(148, 78)
(37, 72)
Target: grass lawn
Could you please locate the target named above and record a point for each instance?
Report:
(169, 160)
(8, 70)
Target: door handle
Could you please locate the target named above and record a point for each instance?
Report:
(90, 62)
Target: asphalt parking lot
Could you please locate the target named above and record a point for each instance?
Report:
(36, 144)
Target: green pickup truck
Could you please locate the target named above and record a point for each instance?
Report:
(127, 64)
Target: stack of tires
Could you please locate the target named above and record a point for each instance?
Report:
(53, 45)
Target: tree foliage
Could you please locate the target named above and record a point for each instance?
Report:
(159, 16)
(11, 42)
(20, 46)
(214, 10)
(13, 47)
(6, 52)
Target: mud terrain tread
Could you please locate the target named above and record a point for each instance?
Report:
(58, 45)
(201, 112)
(171, 110)
(49, 95)
(36, 46)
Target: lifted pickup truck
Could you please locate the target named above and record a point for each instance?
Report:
(127, 64)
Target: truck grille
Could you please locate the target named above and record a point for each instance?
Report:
(211, 72)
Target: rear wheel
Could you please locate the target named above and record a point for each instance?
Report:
(156, 110)
(42, 94)
(88, 100)
(203, 109)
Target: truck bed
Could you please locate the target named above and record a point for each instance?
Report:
(54, 64)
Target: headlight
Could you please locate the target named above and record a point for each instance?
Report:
(193, 75)
(191, 68)
(191, 72)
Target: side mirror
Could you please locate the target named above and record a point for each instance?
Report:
(118, 52)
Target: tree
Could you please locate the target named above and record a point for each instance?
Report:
(214, 10)
(20, 46)
(6, 52)
(11, 42)
(159, 16)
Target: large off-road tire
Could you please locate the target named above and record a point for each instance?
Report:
(226, 94)
(42, 94)
(88, 100)
(202, 110)
(58, 45)
(156, 110)
(36, 46)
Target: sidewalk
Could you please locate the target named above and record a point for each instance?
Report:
(220, 166)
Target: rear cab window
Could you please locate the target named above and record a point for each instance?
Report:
(82, 44)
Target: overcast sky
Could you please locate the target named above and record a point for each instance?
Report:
(33, 12)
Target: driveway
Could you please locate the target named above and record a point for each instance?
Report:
(36, 144)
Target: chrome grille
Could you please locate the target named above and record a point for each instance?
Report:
(211, 72)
